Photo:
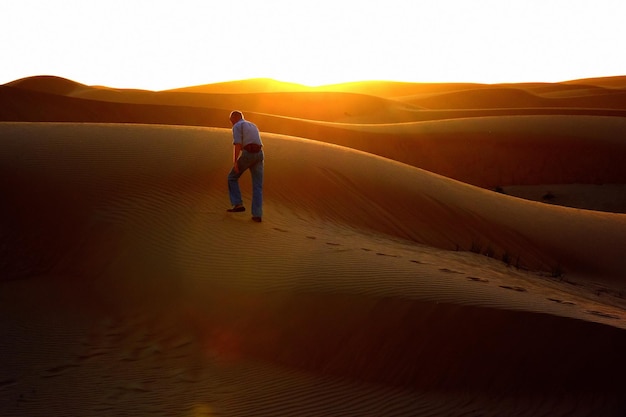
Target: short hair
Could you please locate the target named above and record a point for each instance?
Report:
(237, 114)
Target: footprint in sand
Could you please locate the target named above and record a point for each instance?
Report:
(556, 300)
(449, 271)
(476, 279)
(333, 244)
(416, 262)
(386, 254)
(311, 237)
(602, 314)
(518, 289)
(280, 230)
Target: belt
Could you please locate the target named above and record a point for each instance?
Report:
(253, 147)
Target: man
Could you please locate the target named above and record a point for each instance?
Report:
(247, 154)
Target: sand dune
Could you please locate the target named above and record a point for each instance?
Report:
(617, 82)
(517, 145)
(385, 279)
(516, 97)
(256, 85)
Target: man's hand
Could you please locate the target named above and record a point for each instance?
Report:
(236, 167)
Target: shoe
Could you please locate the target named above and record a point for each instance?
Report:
(236, 209)
(256, 219)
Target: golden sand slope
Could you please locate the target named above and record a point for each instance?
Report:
(131, 291)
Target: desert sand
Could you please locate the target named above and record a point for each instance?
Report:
(426, 250)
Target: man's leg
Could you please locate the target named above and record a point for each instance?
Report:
(233, 187)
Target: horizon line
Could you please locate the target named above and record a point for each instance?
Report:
(312, 86)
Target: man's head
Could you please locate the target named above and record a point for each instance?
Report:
(236, 116)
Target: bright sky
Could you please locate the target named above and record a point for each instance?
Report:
(158, 44)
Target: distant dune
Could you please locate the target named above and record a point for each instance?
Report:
(417, 254)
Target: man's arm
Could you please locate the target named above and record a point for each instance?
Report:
(236, 151)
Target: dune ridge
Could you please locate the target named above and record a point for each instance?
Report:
(385, 279)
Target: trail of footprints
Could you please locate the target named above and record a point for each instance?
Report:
(471, 278)
(113, 334)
